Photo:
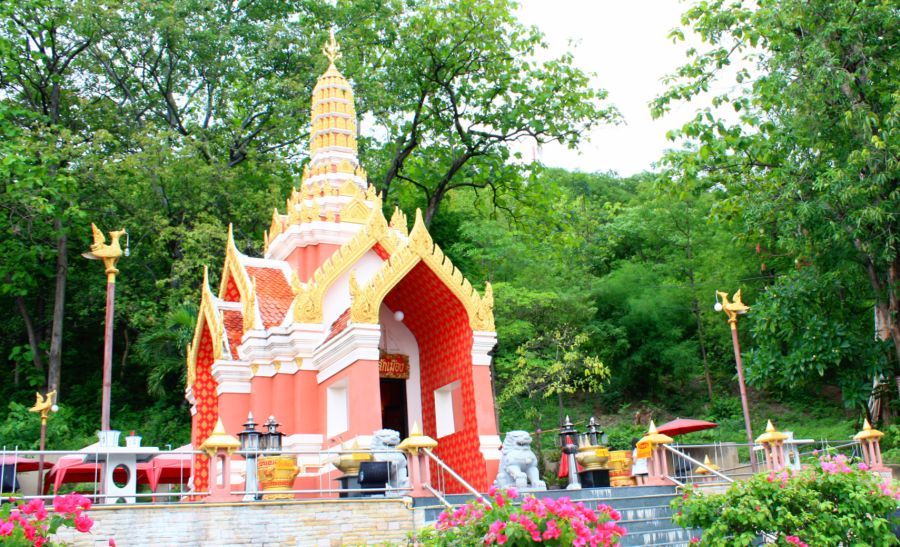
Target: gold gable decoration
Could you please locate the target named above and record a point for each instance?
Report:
(398, 221)
(209, 316)
(249, 310)
(233, 269)
(309, 297)
(367, 300)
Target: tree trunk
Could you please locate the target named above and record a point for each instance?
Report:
(33, 341)
(59, 305)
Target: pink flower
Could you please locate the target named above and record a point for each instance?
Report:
(32, 506)
(7, 528)
(38, 541)
(497, 527)
(29, 531)
(552, 531)
(863, 467)
(112, 542)
(794, 540)
(695, 540)
(64, 504)
(83, 523)
(512, 492)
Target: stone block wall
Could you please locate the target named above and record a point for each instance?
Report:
(319, 523)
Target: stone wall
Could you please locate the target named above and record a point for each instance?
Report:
(259, 524)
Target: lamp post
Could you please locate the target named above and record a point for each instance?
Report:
(250, 438)
(44, 405)
(272, 437)
(110, 255)
(567, 437)
(732, 309)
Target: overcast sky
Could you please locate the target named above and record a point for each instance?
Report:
(624, 42)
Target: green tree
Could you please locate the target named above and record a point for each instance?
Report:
(812, 164)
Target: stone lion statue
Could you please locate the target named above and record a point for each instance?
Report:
(518, 464)
(388, 439)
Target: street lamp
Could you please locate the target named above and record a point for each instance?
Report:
(44, 405)
(109, 254)
(567, 437)
(250, 438)
(732, 310)
(272, 437)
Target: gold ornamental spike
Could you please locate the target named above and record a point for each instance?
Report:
(332, 49)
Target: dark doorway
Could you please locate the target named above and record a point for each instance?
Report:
(393, 405)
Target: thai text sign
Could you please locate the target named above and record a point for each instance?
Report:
(393, 365)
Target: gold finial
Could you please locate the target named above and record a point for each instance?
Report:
(45, 404)
(331, 49)
(732, 309)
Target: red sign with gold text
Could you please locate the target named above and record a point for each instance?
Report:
(394, 365)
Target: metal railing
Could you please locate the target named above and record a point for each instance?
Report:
(446, 468)
(314, 465)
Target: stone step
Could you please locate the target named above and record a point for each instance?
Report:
(645, 512)
(668, 536)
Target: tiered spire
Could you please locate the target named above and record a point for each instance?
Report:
(333, 149)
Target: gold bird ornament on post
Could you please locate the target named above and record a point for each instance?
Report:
(109, 254)
(733, 308)
(43, 404)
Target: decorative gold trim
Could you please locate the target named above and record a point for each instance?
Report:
(276, 227)
(356, 211)
(398, 221)
(250, 309)
(207, 315)
(233, 268)
(309, 297)
(365, 301)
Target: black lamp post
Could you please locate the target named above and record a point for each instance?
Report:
(250, 441)
(272, 437)
(596, 436)
(567, 436)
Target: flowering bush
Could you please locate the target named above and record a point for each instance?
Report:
(832, 503)
(546, 521)
(29, 524)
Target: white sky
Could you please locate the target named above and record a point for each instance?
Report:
(624, 42)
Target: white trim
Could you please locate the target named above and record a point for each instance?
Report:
(354, 343)
(282, 343)
(490, 446)
(482, 343)
(231, 376)
(189, 396)
(311, 233)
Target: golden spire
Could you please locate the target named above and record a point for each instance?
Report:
(332, 49)
(332, 137)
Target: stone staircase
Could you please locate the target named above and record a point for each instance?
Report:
(645, 512)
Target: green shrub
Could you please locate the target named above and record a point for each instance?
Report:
(831, 503)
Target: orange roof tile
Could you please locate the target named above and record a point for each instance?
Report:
(234, 329)
(274, 294)
(339, 324)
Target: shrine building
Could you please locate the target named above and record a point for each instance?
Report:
(348, 324)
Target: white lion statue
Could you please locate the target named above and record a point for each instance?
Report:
(388, 439)
(518, 464)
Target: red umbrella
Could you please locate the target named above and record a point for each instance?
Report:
(684, 425)
(22, 465)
